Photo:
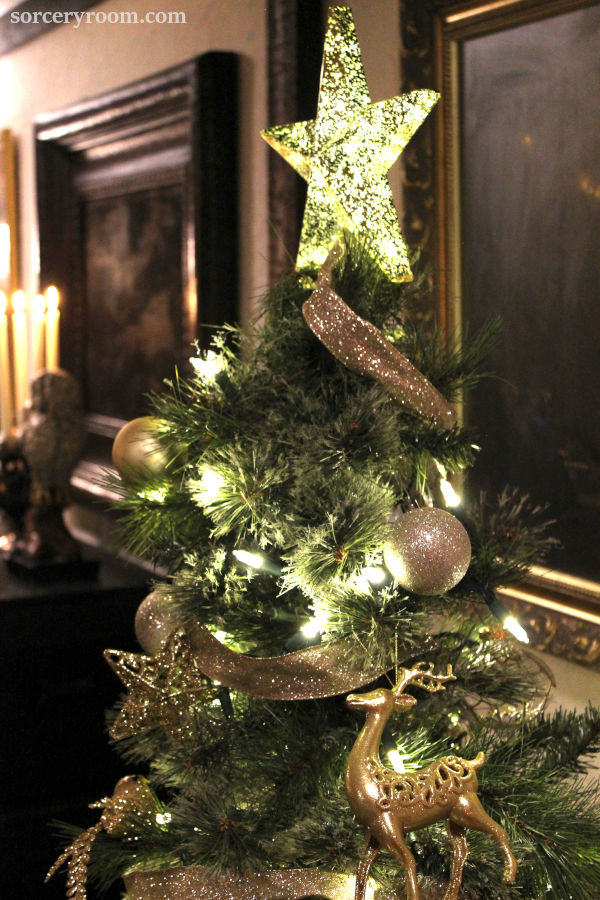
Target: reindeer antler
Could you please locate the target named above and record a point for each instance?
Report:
(422, 674)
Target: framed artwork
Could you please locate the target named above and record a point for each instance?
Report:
(9, 220)
(512, 175)
(137, 204)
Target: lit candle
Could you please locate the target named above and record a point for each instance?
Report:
(6, 404)
(52, 323)
(19, 328)
(37, 321)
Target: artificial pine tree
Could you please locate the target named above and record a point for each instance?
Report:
(294, 487)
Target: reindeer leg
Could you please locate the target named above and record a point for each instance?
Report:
(370, 851)
(459, 841)
(391, 836)
(469, 812)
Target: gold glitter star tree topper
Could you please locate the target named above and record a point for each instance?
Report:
(345, 152)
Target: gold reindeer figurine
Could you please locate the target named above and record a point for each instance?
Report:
(390, 803)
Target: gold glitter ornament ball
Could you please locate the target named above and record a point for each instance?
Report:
(136, 453)
(429, 551)
(132, 795)
(155, 621)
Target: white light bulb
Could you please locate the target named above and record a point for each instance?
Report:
(516, 629)
(395, 757)
(208, 488)
(209, 365)
(314, 626)
(254, 560)
(451, 498)
(163, 818)
(375, 575)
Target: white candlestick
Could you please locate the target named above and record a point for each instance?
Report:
(37, 324)
(6, 401)
(19, 329)
(52, 325)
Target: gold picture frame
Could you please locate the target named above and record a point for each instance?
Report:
(441, 41)
(9, 220)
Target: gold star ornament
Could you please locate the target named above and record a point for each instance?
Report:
(161, 688)
(345, 152)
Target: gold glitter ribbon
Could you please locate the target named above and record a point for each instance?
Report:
(321, 671)
(363, 349)
(193, 883)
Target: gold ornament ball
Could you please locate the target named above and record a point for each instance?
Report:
(429, 551)
(132, 794)
(136, 452)
(155, 622)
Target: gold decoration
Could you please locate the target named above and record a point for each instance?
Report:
(155, 621)
(132, 796)
(346, 151)
(429, 551)
(136, 453)
(189, 882)
(77, 857)
(324, 670)
(161, 689)
(390, 803)
(363, 349)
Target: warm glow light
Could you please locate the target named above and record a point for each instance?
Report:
(208, 488)
(516, 629)
(18, 302)
(163, 818)
(52, 324)
(314, 626)
(209, 365)
(254, 560)
(155, 495)
(51, 297)
(375, 575)
(395, 757)
(451, 498)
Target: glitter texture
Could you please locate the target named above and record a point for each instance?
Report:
(346, 151)
(363, 349)
(429, 551)
(161, 689)
(193, 883)
(131, 799)
(321, 671)
(155, 621)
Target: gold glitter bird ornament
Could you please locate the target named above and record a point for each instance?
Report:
(345, 152)
(390, 803)
(132, 800)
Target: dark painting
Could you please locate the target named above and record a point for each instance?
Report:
(133, 287)
(531, 221)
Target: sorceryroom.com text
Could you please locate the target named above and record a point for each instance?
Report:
(98, 17)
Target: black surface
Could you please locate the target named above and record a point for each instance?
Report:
(55, 752)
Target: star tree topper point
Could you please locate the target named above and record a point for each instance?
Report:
(345, 152)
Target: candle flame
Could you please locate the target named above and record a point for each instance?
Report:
(52, 299)
(18, 302)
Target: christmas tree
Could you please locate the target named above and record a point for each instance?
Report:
(296, 487)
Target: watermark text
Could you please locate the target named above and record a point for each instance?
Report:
(97, 17)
